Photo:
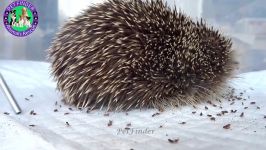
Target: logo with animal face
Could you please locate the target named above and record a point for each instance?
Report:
(20, 18)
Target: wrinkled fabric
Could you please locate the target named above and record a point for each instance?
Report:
(146, 129)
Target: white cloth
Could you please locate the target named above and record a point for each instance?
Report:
(90, 130)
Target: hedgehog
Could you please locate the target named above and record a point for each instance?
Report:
(134, 54)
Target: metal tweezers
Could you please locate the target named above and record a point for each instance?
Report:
(9, 95)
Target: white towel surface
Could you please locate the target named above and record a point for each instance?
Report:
(88, 131)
